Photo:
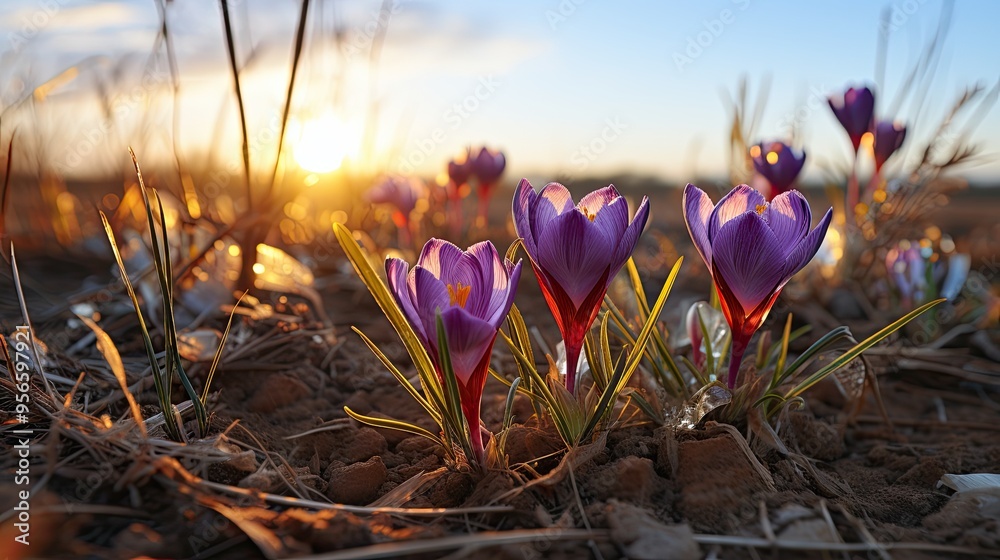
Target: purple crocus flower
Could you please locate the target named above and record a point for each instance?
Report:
(778, 163)
(752, 247)
(473, 291)
(889, 136)
(459, 172)
(575, 250)
(907, 271)
(402, 193)
(487, 167)
(854, 111)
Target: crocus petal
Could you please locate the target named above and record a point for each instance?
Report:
(574, 252)
(487, 277)
(806, 249)
(469, 337)
(698, 207)
(439, 255)
(598, 199)
(630, 237)
(505, 297)
(553, 200)
(524, 195)
(750, 259)
(738, 201)
(789, 217)
(396, 273)
(431, 296)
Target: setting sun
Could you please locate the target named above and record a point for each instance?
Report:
(323, 143)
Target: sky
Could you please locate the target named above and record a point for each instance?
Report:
(567, 88)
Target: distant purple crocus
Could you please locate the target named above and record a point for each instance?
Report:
(778, 163)
(907, 270)
(889, 136)
(575, 250)
(854, 111)
(402, 193)
(488, 166)
(473, 291)
(752, 247)
(459, 172)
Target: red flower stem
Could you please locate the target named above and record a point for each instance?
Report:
(455, 215)
(484, 207)
(739, 348)
(572, 360)
(852, 188)
(476, 439)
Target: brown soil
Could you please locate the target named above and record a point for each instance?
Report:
(646, 491)
(649, 487)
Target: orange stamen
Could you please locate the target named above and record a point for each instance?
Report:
(458, 294)
(760, 209)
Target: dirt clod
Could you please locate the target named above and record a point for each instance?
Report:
(356, 484)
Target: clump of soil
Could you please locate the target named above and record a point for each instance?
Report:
(644, 491)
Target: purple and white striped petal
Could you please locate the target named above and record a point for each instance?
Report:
(789, 217)
(739, 200)
(469, 337)
(552, 201)
(749, 258)
(575, 254)
(806, 249)
(630, 237)
(697, 208)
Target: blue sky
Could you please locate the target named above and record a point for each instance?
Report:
(565, 87)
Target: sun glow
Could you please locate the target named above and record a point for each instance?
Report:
(324, 143)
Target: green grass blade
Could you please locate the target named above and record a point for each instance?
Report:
(512, 250)
(159, 383)
(605, 359)
(425, 369)
(706, 339)
(218, 353)
(856, 351)
(456, 421)
(108, 349)
(395, 425)
(164, 273)
(508, 409)
(800, 362)
(539, 387)
(697, 373)
(779, 368)
(431, 410)
(635, 355)
(644, 405)
(640, 292)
